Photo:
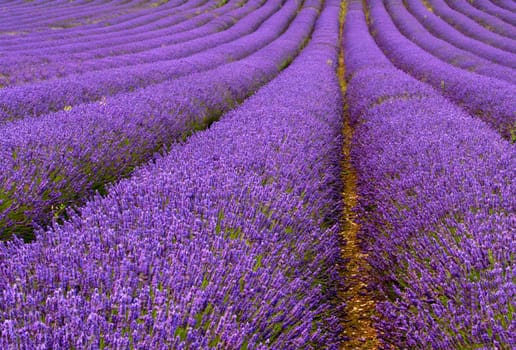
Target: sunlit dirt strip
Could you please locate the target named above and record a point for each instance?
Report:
(360, 305)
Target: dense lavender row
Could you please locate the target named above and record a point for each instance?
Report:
(23, 18)
(225, 243)
(56, 94)
(59, 158)
(95, 47)
(68, 16)
(61, 18)
(193, 11)
(437, 201)
(506, 4)
(121, 23)
(501, 13)
(492, 100)
(416, 32)
(410, 27)
(182, 43)
(490, 22)
(21, 10)
(469, 27)
(441, 29)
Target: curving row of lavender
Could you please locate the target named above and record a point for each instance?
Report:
(91, 79)
(22, 18)
(229, 26)
(59, 158)
(417, 33)
(494, 10)
(19, 67)
(471, 28)
(487, 20)
(445, 31)
(437, 206)
(506, 4)
(190, 12)
(229, 241)
(490, 99)
(118, 24)
(62, 17)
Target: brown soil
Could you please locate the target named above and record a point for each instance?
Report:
(360, 304)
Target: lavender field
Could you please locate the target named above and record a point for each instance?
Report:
(258, 174)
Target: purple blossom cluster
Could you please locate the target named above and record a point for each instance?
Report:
(229, 241)
(490, 99)
(437, 206)
(54, 160)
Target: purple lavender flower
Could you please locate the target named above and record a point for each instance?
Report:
(228, 241)
(436, 204)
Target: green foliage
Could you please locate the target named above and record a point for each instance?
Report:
(258, 263)
(241, 283)
(181, 332)
(213, 343)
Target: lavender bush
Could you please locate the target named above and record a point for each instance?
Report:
(240, 255)
(57, 159)
(437, 207)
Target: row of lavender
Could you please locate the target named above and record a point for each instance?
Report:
(491, 99)
(60, 14)
(103, 78)
(104, 24)
(469, 27)
(465, 41)
(229, 241)
(51, 59)
(411, 28)
(196, 13)
(437, 200)
(497, 9)
(159, 19)
(129, 22)
(60, 158)
(502, 22)
(178, 26)
(506, 4)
